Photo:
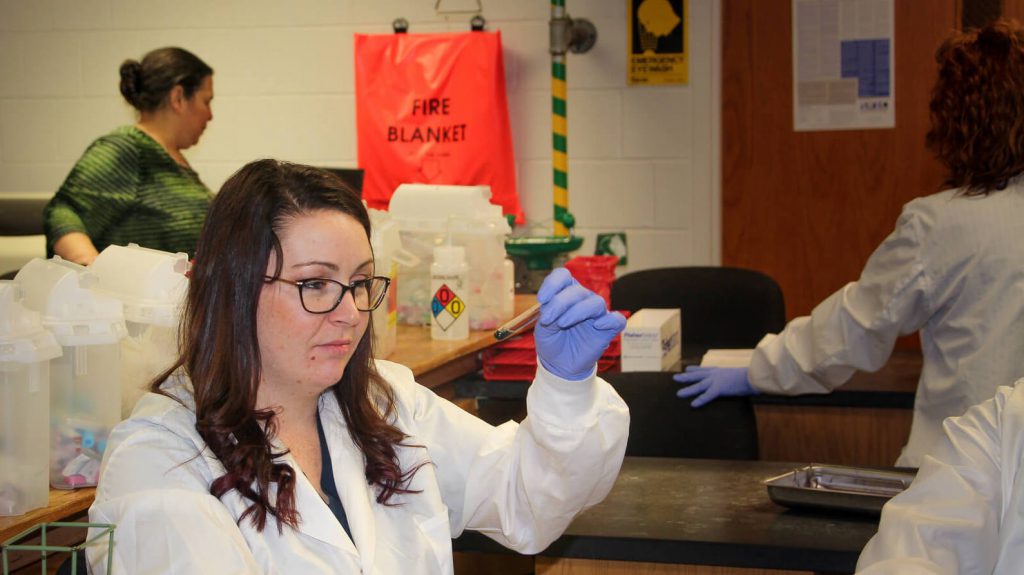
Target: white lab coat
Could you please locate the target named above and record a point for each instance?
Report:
(964, 513)
(519, 484)
(954, 269)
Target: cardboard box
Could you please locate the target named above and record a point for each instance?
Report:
(652, 340)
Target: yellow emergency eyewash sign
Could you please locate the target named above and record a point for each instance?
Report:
(658, 40)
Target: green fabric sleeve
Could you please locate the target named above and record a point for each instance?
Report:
(101, 187)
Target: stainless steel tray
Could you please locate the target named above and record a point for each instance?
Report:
(837, 487)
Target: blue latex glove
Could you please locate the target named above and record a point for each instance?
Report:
(575, 326)
(713, 382)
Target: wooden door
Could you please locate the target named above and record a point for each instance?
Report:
(808, 208)
(1014, 9)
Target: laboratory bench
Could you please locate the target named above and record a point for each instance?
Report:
(682, 513)
(865, 422)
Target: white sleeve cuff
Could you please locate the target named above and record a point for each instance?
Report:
(558, 401)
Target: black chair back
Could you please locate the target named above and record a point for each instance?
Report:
(22, 214)
(353, 177)
(721, 307)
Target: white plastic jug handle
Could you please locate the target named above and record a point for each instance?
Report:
(405, 258)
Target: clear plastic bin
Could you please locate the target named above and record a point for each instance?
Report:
(85, 388)
(26, 349)
(151, 285)
(389, 258)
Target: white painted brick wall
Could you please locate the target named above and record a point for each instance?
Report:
(640, 157)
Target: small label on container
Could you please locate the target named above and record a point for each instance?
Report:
(446, 306)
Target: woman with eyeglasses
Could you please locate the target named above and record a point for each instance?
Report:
(276, 444)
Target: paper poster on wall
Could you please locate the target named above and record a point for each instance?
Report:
(657, 45)
(843, 56)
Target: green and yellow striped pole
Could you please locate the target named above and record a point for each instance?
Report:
(559, 128)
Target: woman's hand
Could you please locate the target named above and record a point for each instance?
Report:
(575, 326)
(709, 383)
(76, 247)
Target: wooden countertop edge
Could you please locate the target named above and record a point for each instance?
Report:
(63, 505)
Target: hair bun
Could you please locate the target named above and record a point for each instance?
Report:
(131, 81)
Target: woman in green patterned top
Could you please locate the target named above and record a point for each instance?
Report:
(133, 184)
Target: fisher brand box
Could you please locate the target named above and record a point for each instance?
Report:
(652, 340)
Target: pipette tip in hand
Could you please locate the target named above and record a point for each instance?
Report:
(518, 323)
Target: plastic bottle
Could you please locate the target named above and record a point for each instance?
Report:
(448, 286)
(508, 277)
(385, 240)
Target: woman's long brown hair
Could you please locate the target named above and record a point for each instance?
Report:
(977, 107)
(220, 350)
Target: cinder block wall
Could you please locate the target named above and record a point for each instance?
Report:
(642, 159)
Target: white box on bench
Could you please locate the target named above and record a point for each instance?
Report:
(652, 340)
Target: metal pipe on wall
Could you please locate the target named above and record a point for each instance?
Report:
(579, 36)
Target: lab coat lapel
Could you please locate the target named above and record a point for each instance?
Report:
(317, 520)
(350, 480)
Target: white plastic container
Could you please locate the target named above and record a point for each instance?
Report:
(426, 215)
(449, 312)
(151, 285)
(26, 349)
(508, 278)
(85, 382)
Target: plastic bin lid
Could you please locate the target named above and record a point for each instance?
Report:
(62, 293)
(463, 209)
(151, 284)
(386, 241)
(23, 339)
(384, 234)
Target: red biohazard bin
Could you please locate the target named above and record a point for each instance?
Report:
(596, 273)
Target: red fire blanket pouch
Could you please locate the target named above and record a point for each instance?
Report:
(432, 109)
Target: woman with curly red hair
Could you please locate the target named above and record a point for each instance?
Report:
(964, 512)
(276, 444)
(953, 269)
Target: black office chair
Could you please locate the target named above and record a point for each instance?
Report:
(721, 307)
(661, 425)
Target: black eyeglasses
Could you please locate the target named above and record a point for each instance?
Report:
(321, 295)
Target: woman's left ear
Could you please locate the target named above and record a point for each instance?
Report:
(177, 98)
